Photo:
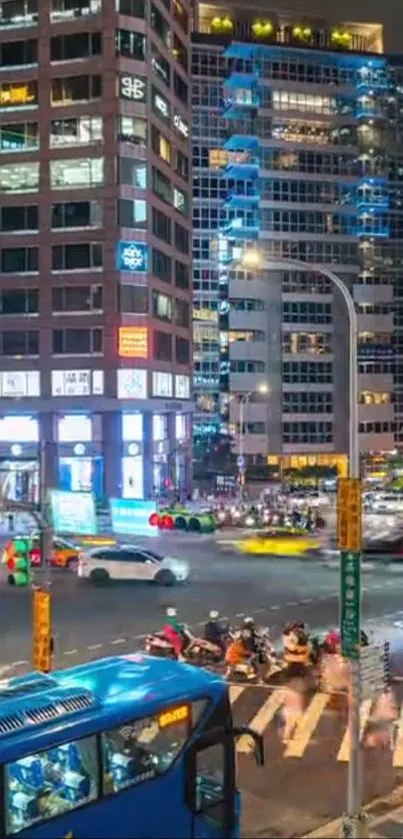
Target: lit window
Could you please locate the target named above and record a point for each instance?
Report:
(76, 131)
(132, 384)
(181, 202)
(182, 387)
(77, 382)
(162, 384)
(17, 384)
(132, 427)
(159, 428)
(19, 429)
(74, 428)
(79, 172)
(19, 177)
(180, 426)
(18, 95)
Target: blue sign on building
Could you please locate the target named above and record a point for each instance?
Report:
(131, 518)
(132, 256)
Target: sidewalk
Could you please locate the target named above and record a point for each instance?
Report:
(385, 819)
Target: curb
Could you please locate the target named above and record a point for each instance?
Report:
(384, 805)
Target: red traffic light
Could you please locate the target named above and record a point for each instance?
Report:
(167, 523)
(11, 564)
(154, 520)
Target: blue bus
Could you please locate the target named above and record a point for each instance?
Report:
(124, 747)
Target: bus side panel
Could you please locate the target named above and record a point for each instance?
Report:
(154, 809)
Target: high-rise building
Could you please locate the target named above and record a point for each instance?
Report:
(294, 125)
(95, 245)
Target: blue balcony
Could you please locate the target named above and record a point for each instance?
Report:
(242, 166)
(372, 202)
(242, 142)
(370, 111)
(242, 81)
(375, 231)
(242, 228)
(240, 200)
(375, 351)
(235, 107)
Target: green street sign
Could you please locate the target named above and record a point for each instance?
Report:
(350, 603)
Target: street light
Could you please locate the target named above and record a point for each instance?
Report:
(243, 401)
(253, 259)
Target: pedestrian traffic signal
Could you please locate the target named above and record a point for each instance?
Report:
(19, 562)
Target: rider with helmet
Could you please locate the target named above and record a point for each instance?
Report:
(296, 644)
(250, 635)
(214, 630)
(173, 632)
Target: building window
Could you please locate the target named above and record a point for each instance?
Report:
(160, 25)
(161, 226)
(181, 201)
(181, 16)
(133, 299)
(18, 53)
(162, 384)
(71, 9)
(73, 214)
(17, 384)
(77, 257)
(132, 213)
(131, 8)
(77, 45)
(15, 219)
(132, 172)
(19, 136)
(247, 367)
(19, 177)
(307, 372)
(77, 298)
(132, 130)
(181, 89)
(77, 382)
(182, 387)
(19, 260)
(307, 432)
(130, 44)
(22, 301)
(160, 145)
(161, 185)
(84, 172)
(182, 165)
(315, 402)
(77, 341)
(18, 13)
(162, 306)
(72, 89)
(162, 346)
(180, 52)
(75, 131)
(17, 95)
(160, 106)
(182, 350)
(161, 265)
(160, 65)
(182, 313)
(181, 238)
(132, 384)
(23, 343)
(181, 275)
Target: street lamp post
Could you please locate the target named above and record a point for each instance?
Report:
(354, 794)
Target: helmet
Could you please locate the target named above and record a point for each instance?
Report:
(248, 622)
(171, 612)
(214, 615)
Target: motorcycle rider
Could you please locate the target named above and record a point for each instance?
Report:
(296, 645)
(173, 632)
(236, 654)
(214, 631)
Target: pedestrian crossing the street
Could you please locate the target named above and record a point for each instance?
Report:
(268, 712)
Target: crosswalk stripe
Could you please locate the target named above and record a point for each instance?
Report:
(398, 750)
(307, 725)
(235, 692)
(344, 751)
(261, 720)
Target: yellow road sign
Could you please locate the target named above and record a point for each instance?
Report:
(349, 514)
(42, 630)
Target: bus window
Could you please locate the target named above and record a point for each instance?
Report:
(210, 785)
(49, 783)
(140, 750)
(210, 764)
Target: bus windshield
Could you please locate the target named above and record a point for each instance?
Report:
(89, 751)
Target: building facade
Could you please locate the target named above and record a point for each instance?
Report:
(95, 245)
(294, 129)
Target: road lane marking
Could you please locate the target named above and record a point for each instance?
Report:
(398, 750)
(70, 652)
(94, 646)
(120, 641)
(261, 720)
(18, 663)
(306, 726)
(344, 751)
(274, 608)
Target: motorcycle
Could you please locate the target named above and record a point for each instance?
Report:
(196, 651)
(263, 663)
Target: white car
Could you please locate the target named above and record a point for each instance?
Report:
(129, 562)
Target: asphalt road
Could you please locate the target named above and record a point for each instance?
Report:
(299, 789)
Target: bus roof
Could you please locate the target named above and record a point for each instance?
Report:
(102, 694)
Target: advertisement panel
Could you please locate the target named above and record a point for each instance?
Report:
(73, 512)
(131, 517)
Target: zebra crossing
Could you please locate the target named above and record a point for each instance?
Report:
(271, 703)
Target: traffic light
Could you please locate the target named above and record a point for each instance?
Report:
(19, 562)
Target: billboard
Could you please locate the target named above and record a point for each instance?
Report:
(73, 512)
(131, 517)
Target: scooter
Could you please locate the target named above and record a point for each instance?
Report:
(195, 650)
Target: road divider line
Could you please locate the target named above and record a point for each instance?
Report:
(306, 726)
(365, 710)
(94, 646)
(120, 641)
(262, 719)
(398, 750)
(235, 692)
(70, 652)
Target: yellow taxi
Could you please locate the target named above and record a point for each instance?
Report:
(283, 543)
(64, 553)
